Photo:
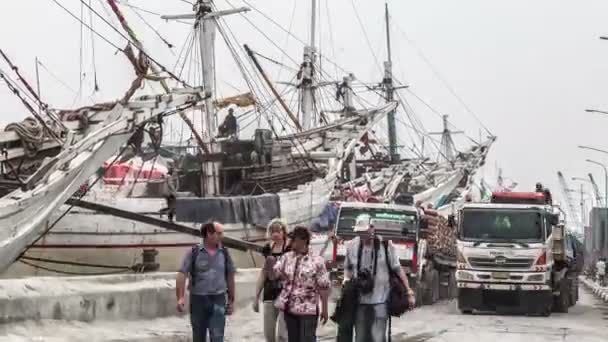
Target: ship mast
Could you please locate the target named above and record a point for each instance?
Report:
(308, 82)
(389, 90)
(205, 23)
(447, 147)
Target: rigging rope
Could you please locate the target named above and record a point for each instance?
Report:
(369, 44)
(96, 84)
(56, 78)
(80, 75)
(54, 270)
(163, 39)
(293, 13)
(31, 133)
(441, 78)
(74, 263)
(273, 42)
(162, 67)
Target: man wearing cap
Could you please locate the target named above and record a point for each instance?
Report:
(365, 258)
(212, 287)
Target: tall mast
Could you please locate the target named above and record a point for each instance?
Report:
(390, 93)
(38, 88)
(582, 203)
(313, 23)
(154, 69)
(206, 34)
(205, 23)
(447, 147)
(307, 84)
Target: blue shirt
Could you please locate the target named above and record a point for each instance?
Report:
(210, 272)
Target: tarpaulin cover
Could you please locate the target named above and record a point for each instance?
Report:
(238, 209)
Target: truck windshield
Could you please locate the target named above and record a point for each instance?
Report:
(386, 221)
(501, 225)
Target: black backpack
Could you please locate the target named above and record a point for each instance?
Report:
(397, 302)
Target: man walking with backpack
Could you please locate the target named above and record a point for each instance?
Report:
(370, 263)
(211, 272)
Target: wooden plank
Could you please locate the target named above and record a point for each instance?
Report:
(227, 241)
(9, 136)
(14, 153)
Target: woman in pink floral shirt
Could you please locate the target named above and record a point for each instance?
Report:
(306, 280)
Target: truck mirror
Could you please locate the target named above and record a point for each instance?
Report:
(553, 219)
(451, 221)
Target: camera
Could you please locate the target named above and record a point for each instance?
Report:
(364, 281)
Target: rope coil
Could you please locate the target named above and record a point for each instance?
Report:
(32, 134)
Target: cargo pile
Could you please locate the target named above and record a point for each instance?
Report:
(441, 238)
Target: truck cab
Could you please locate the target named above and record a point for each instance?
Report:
(394, 222)
(512, 253)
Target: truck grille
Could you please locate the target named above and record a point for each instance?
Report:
(510, 263)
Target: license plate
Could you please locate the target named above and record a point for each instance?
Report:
(500, 275)
(341, 251)
(404, 252)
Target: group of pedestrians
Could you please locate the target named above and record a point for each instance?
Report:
(294, 286)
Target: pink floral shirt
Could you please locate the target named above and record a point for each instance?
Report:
(304, 277)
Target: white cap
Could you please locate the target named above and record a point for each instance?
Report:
(362, 223)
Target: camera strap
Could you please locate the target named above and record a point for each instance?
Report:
(374, 256)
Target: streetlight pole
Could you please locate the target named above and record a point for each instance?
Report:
(596, 111)
(605, 179)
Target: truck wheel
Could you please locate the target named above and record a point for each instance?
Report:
(419, 296)
(430, 294)
(425, 289)
(415, 285)
(573, 292)
(463, 306)
(453, 286)
(435, 285)
(444, 285)
(546, 312)
(561, 303)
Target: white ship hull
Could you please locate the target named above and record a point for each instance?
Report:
(25, 213)
(96, 238)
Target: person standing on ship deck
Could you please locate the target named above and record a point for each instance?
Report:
(212, 286)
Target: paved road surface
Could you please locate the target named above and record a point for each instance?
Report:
(586, 322)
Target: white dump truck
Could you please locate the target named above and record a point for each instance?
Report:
(514, 252)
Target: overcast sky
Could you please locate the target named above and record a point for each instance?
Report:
(527, 69)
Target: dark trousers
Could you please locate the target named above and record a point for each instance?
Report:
(208, 313)
(301, 328)
(346, 313)
(345, 332)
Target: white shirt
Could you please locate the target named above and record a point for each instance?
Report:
(601, 267)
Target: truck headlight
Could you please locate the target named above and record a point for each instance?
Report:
(536, 277)
(464, 275)
(460, 258)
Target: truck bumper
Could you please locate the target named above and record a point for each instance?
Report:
(504, 287)
(492, 300)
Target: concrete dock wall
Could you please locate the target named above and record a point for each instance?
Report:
(114, 297)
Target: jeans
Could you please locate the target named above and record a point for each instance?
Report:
(370, 324)
(274, 323)
(208, 313)
(301, 328)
